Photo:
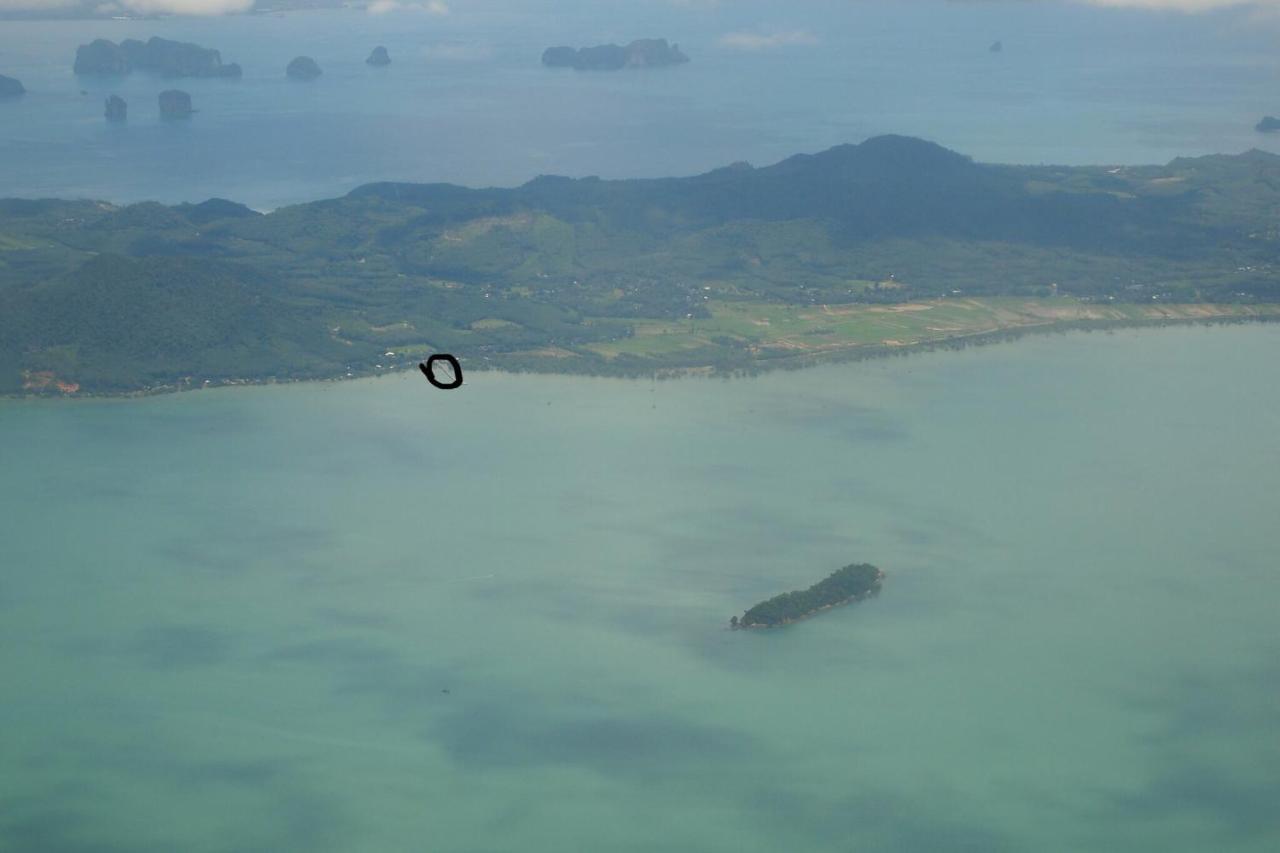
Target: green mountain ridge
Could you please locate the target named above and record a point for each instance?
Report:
(551, 274)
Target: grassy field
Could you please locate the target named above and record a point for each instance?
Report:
(772, 329)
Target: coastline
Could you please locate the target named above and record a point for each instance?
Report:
(752, 367)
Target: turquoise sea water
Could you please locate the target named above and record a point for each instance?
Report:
(467, 101)
(377, 616)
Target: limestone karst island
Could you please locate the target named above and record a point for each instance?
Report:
(168, 58)
(641, 53)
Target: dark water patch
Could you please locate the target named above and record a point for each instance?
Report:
(143, 759)
(337, 654)
(100, 491)
(528, 733)
(1240, 809)
(879, 821)
(948, 523)
(695, 539)
(362, 449)
(384, 448)
(575, 501)
(60, 830)
(852, 423)
(346, 618)
(241, 540)
(202, 555)
(1194, 710)
(1194, 704)
(653, 609)
(300, 819)
(725, 473)
(237, 774)
(52, 817)
(293, 817)
(131, 427)
(181, 646)
(767, 523)
(878, 429)
(406, 689)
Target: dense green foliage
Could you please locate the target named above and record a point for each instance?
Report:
(534, 277)
(853, 581)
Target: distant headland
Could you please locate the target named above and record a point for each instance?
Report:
(854, 582)
(10, 88)
(160, 56)
(642, 53)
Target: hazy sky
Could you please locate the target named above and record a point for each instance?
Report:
(443, 7)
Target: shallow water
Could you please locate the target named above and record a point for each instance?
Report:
(467, 101)
(377, 616)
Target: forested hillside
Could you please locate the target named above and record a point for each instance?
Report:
(560, 274)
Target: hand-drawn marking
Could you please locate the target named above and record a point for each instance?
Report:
(427, 368)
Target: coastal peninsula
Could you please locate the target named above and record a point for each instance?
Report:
(868, 250)
(854, 582)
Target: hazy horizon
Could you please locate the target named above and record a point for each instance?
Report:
(466, 100)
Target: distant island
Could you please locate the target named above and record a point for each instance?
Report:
(642, 53)
(175, 103)
(10, 87)
(117, 109)
(157, 55)
(379, 57)
(1269, 124)
(858, 251)
(852, 583)
(302, 68)
(996, 47)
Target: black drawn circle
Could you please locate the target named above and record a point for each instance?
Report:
(428, 370)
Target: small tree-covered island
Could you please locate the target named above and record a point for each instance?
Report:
(852, 583)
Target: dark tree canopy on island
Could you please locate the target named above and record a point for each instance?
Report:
(851, 582)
